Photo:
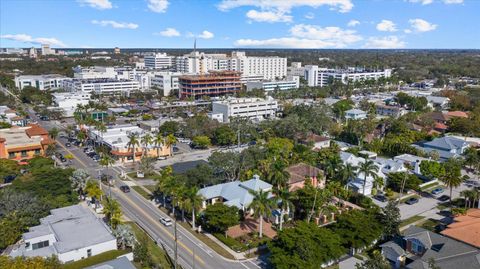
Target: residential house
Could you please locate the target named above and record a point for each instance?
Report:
(389, 111)
(300, 172)
(23, 143)
(71, 233)
(418, 246)
(10, 116)
(318, 141)
(355, 114)
(465, 228)
(447, 147)
(411, 161)
(234, 193)
(438, 101)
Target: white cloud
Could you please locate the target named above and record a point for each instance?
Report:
(268, 16)
(98, 4)
(170, 32)
(158, 6)
(420, 25)
(407, 31)
(386, 26)
(309, 16)
(450, 2)
(388, 42)
(423, 2)
(206, 35)
(307, 36)
(353, 23)
(38, 40)
(114, 24)
(286, 5)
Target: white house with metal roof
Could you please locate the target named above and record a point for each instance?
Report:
(234, 193)
(355, 114)
(447, 147)
(71, 233)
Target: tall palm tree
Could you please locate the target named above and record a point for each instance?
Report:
(261, 206)
(277, 175)
(193, 202)
(165, 181)
(146, 140)
(112, 211)
(451, 180)
(132, 143)
(158, 140)
(284, 197)
(101, 128)
(170, 140)
(93, 190)
(368, 168)
(347, 172)
(332, 165)
(107, 161)
(53, 133)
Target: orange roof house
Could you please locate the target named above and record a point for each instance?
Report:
(466, 228)
(23, 143)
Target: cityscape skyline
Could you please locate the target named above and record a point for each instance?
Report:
(312, 24)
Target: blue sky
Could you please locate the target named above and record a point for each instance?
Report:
(241, 23)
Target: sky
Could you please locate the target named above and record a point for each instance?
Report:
(305, 24)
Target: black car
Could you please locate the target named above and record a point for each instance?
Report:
(380, 198)
(68, 145)
(63, 159)
(125, 188)
(411, 201)
(443, 198)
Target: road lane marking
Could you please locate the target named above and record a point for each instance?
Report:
(244, 265)
(74, 156)
(254, 264)
(155, 222)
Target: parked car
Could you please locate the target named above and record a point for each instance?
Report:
(63, 159)
(125, 188)
(96, 158)
(380, 197)
(437, 191)
(68, 145)
(166, 221)
(161, 158)
(175, 149)
(443, 198)
(411, 201)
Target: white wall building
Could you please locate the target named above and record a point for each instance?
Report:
(102, 86)
(166, 81)
(68, 101)
(158, 61)
(252, 108)
(41, 82)
(316, 76)
(94, 72)
(46, 50)
(288, 84)
(296, 69)
(71, 233)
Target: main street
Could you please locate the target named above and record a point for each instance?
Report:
(192, 253)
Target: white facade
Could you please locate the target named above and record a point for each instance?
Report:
(355, 114)
(166, 81)
(71, 233)
(102, 86)
(94, 72)
(69, 101)
(293, 83)
(41, 82)
(158, 61)
(46, 50)
(316, 76)
(252, 108)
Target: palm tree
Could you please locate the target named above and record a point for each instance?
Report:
(133, 143)
(277, 175)
(146, 140)
(93, 190)
(332, 165)
(347, 172)
(193, 202)
(158, 140)
(165, 181)
(467, 196)
(286, 204)
(112, 211)
(451, 180)
(170, 140)
(261, 206)
(101, 128)
(368, 168)
(53, 133)
(107, 161)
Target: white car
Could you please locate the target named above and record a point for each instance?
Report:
(166, 221)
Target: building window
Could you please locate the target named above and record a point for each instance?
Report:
(11, 155)
(40, 245)
(37, 152)
(24, 153)
(89, 252)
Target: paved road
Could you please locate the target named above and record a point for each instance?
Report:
(147, 216)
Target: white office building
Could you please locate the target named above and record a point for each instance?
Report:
(71, 233)
(320, 77)
(166, 82)
(46, 50)
(252, 108)
(68, 101)
(94, 72)
(41, 82)
(102, 86)
(296, 69)
(158, 61)
(281, 85)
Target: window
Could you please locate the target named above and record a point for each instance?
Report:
(37, 152)
(416, 246)
(40, 245)
(11, 155)
(89, 252)
(24, 153)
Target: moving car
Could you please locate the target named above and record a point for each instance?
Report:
(380, 197)
(411, 201)
(166, 221)
(443, 198)
(437, 191)
(125, 188)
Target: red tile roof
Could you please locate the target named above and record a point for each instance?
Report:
(466, 228)
(35, 130)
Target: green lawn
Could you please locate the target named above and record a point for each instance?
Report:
(159, 256)
(231, 242)
(429, 186)
(142, 192)
(430, 224)
(106, 256)
(411, 220)
(151, 188)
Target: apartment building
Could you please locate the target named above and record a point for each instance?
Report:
(296, 69)
(251, 108)
(94, 72)
(321, 77)
(292, 83)
(158, 61)
(102, 86)
(215, 83)
(23, 143)
(166, 81)
(41, 82)
(68, 101)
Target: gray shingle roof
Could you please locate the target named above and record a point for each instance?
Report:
(119, 263)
